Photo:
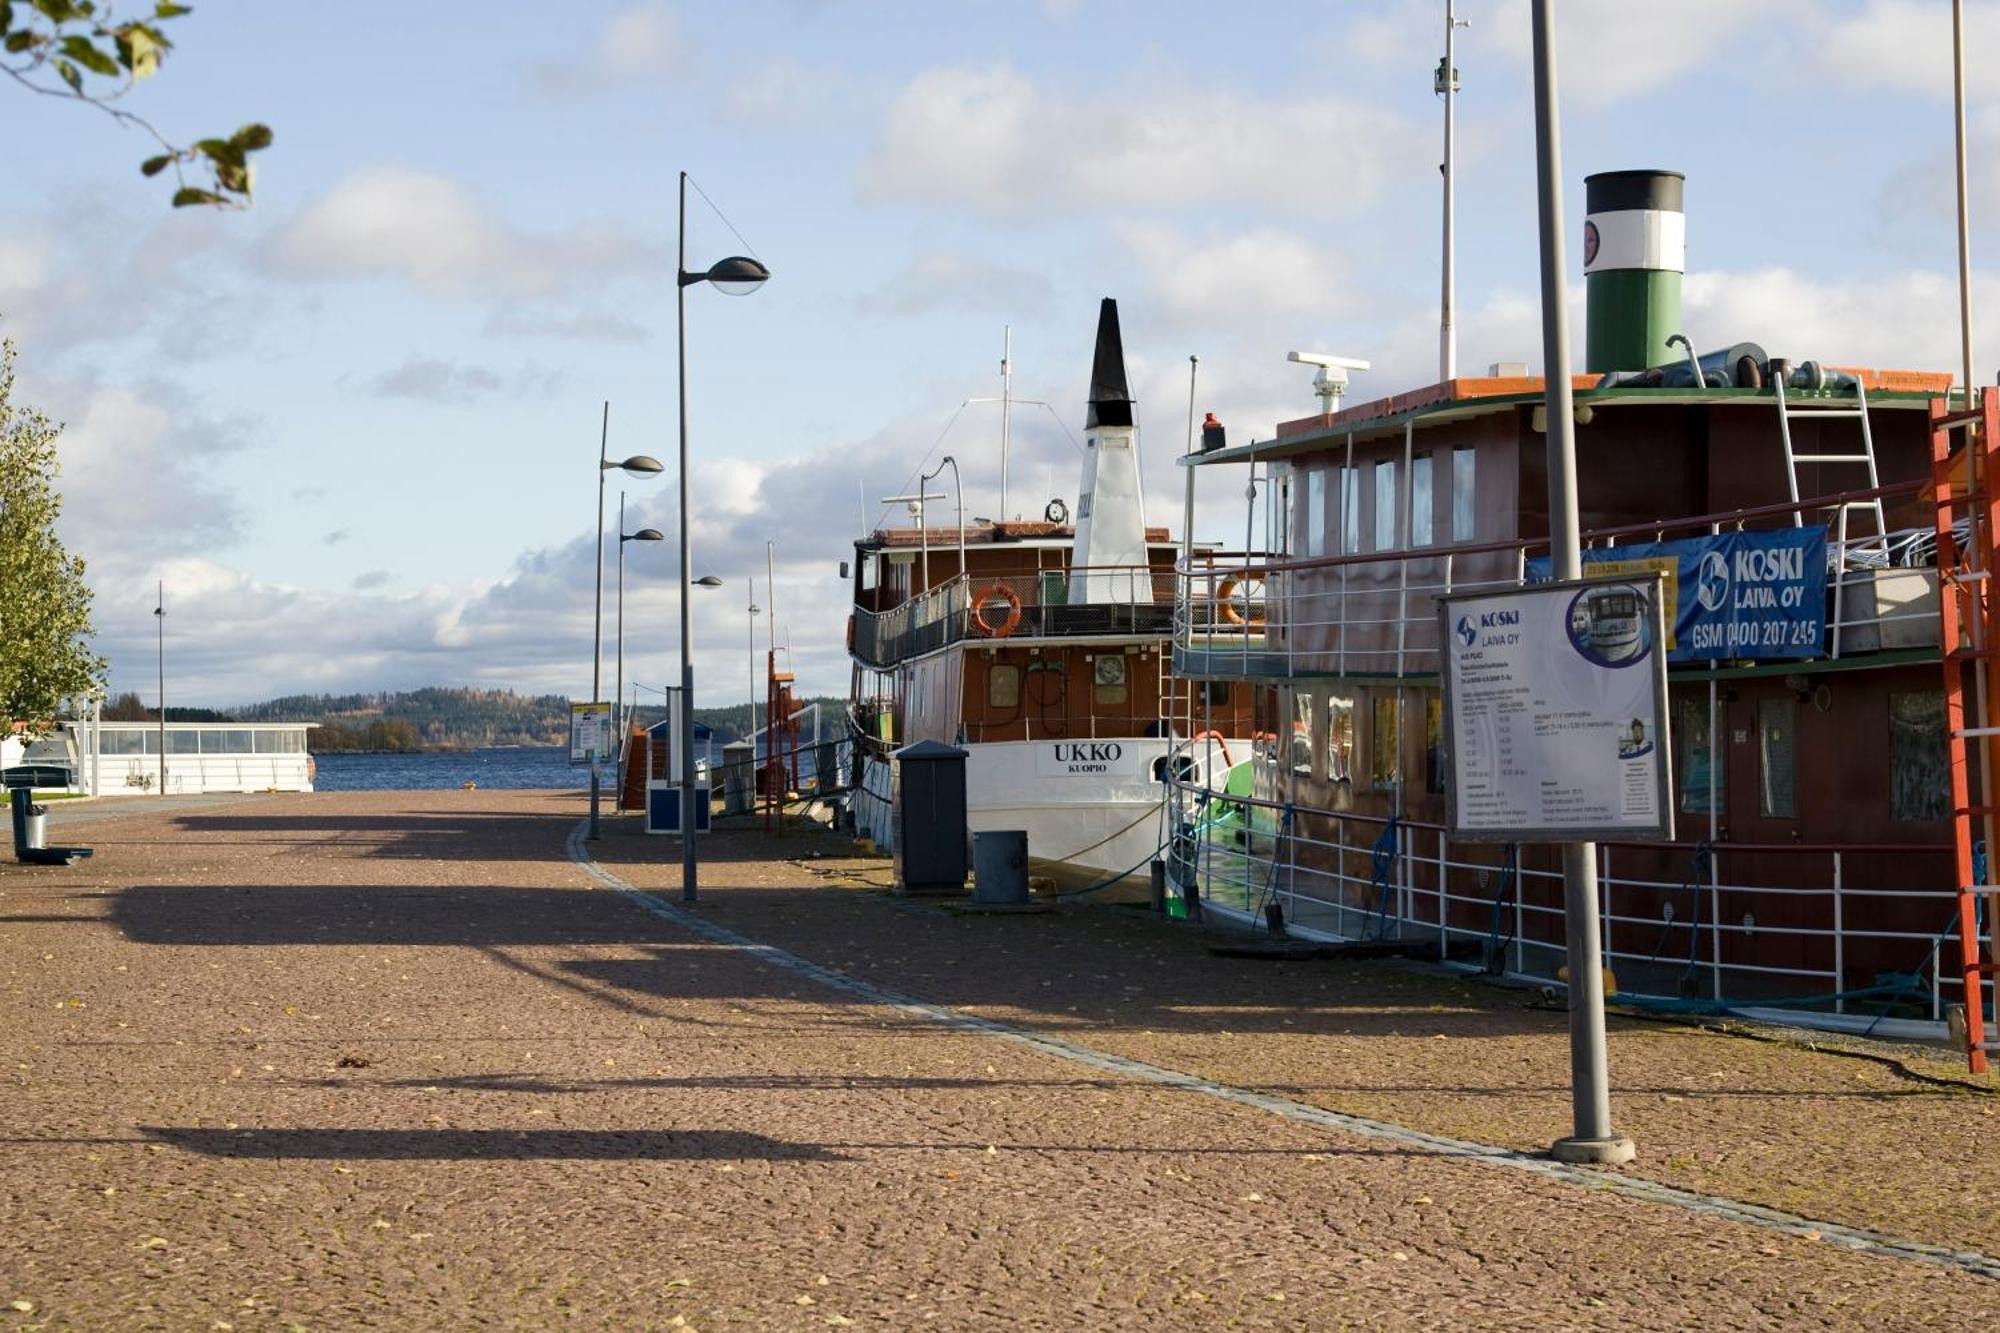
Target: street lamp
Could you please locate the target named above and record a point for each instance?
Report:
(638, 465)
(751, 638)
(735, 276)
(618, 690)
(160, 618)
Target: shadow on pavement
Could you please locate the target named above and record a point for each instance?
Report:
(464, 835)
(497, 1144)
(478, 915)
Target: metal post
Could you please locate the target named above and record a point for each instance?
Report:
(1964, 215)
(597, 620)
(686, 726)
(618, 688)
(1447, 334)
(1592, 1139)
(750, 638)
(160, 611)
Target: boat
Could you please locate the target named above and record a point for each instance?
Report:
(1042, 648)
(1826, 543)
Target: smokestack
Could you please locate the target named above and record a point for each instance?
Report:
(1110, 400)
(1634, 251)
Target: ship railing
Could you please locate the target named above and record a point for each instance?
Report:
(1847, 930)
(1093, 727)
(1264, 614)
(1033, 604)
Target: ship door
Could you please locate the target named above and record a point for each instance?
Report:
(1762, 803)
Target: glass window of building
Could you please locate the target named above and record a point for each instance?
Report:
(1464, 495)
(1302, 720)
(183, 742)
(1385, 505)
(1003, 685)
(121, 742)
(1919, 762)
(1340, 738)
(1316, 512)
(1777, 785)
(1350, 510)
(1691, 736)
(1385, 740)
(1420, 500)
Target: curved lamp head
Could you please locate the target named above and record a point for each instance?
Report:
(735, 276)
(708, 581)
(638, 465)
(643, 535)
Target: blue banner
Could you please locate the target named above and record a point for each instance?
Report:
(1736, 595)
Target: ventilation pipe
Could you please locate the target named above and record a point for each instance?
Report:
(1634, 251)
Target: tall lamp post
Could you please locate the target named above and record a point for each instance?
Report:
(618, 688)
(160, 622)
(735, 276)
(638, 465)
(752, 639)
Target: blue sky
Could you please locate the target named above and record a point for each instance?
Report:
(353, 427)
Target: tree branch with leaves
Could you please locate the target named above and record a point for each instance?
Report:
(81, 50)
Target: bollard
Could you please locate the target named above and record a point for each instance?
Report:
(1159, 875)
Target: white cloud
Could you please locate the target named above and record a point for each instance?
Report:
(994, 139)
(1608, 50)
(937, 280)
(1904, 45)
(639, 45)
(430, 231)
(137, 474)
(436, 380)
(784, 93)
(1262, 272)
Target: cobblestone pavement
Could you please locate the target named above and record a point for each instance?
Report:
(387, 1060)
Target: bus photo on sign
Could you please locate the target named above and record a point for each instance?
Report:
(1555, 712)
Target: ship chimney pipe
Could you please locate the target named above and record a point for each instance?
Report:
(1634, 252)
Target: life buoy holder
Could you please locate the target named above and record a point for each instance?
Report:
(992, 595)
(1224, 591)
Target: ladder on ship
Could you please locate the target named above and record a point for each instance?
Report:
(1965, 483)
(1847, 543)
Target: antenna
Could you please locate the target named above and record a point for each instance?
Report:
(1331, 382)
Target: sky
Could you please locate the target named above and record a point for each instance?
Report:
(354, 428)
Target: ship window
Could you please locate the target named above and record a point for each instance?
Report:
(1691, 733)
(868, 573)
(1420, 500)
(1919, 766)
(1003, 685)
(1108, 678)
(1384, 741)
(1777, 726)
(1350, 510)
(1434, 745)
(1464, 517)
(1385, 505)
(1302, 722)
(1215, 693)
(1316, 512)
(1340, 738)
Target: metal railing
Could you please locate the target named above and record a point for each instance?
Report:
(1118, 600)
(1259, 614)
(1851, 929)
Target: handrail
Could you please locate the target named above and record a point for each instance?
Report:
(1232, 559)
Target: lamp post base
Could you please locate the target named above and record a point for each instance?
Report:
(1612, 1150)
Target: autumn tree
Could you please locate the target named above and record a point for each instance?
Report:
(45, 657)
(83, 51)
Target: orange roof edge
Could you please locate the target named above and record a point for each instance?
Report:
(1473, 388)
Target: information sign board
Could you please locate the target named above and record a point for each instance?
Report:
(1555, 700)
(589, 732)
(1730, 596)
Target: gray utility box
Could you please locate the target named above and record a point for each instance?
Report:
(930, 828)
(737, 759)
(1000, 867)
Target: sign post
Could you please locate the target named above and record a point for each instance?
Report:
(589, 729)
(1591, 1139)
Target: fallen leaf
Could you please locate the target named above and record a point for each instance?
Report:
(153, 1243)
(25, 1307)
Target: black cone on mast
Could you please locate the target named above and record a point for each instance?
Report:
(1110, 399)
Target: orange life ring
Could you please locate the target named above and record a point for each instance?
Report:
(997, 592)
(1230, 614)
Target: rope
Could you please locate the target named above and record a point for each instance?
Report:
(1381, 861)
(1496, 947)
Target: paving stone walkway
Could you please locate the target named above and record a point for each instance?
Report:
(394, 1060)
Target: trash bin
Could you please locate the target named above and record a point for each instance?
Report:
(737, 760)
(38, 826)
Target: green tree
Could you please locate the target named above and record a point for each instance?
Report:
(81, 51)
(45, 657)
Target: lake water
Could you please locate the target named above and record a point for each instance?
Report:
(512, 767)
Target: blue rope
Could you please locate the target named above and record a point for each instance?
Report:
(1496, 947)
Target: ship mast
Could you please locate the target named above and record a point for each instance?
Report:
(1006, 403)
